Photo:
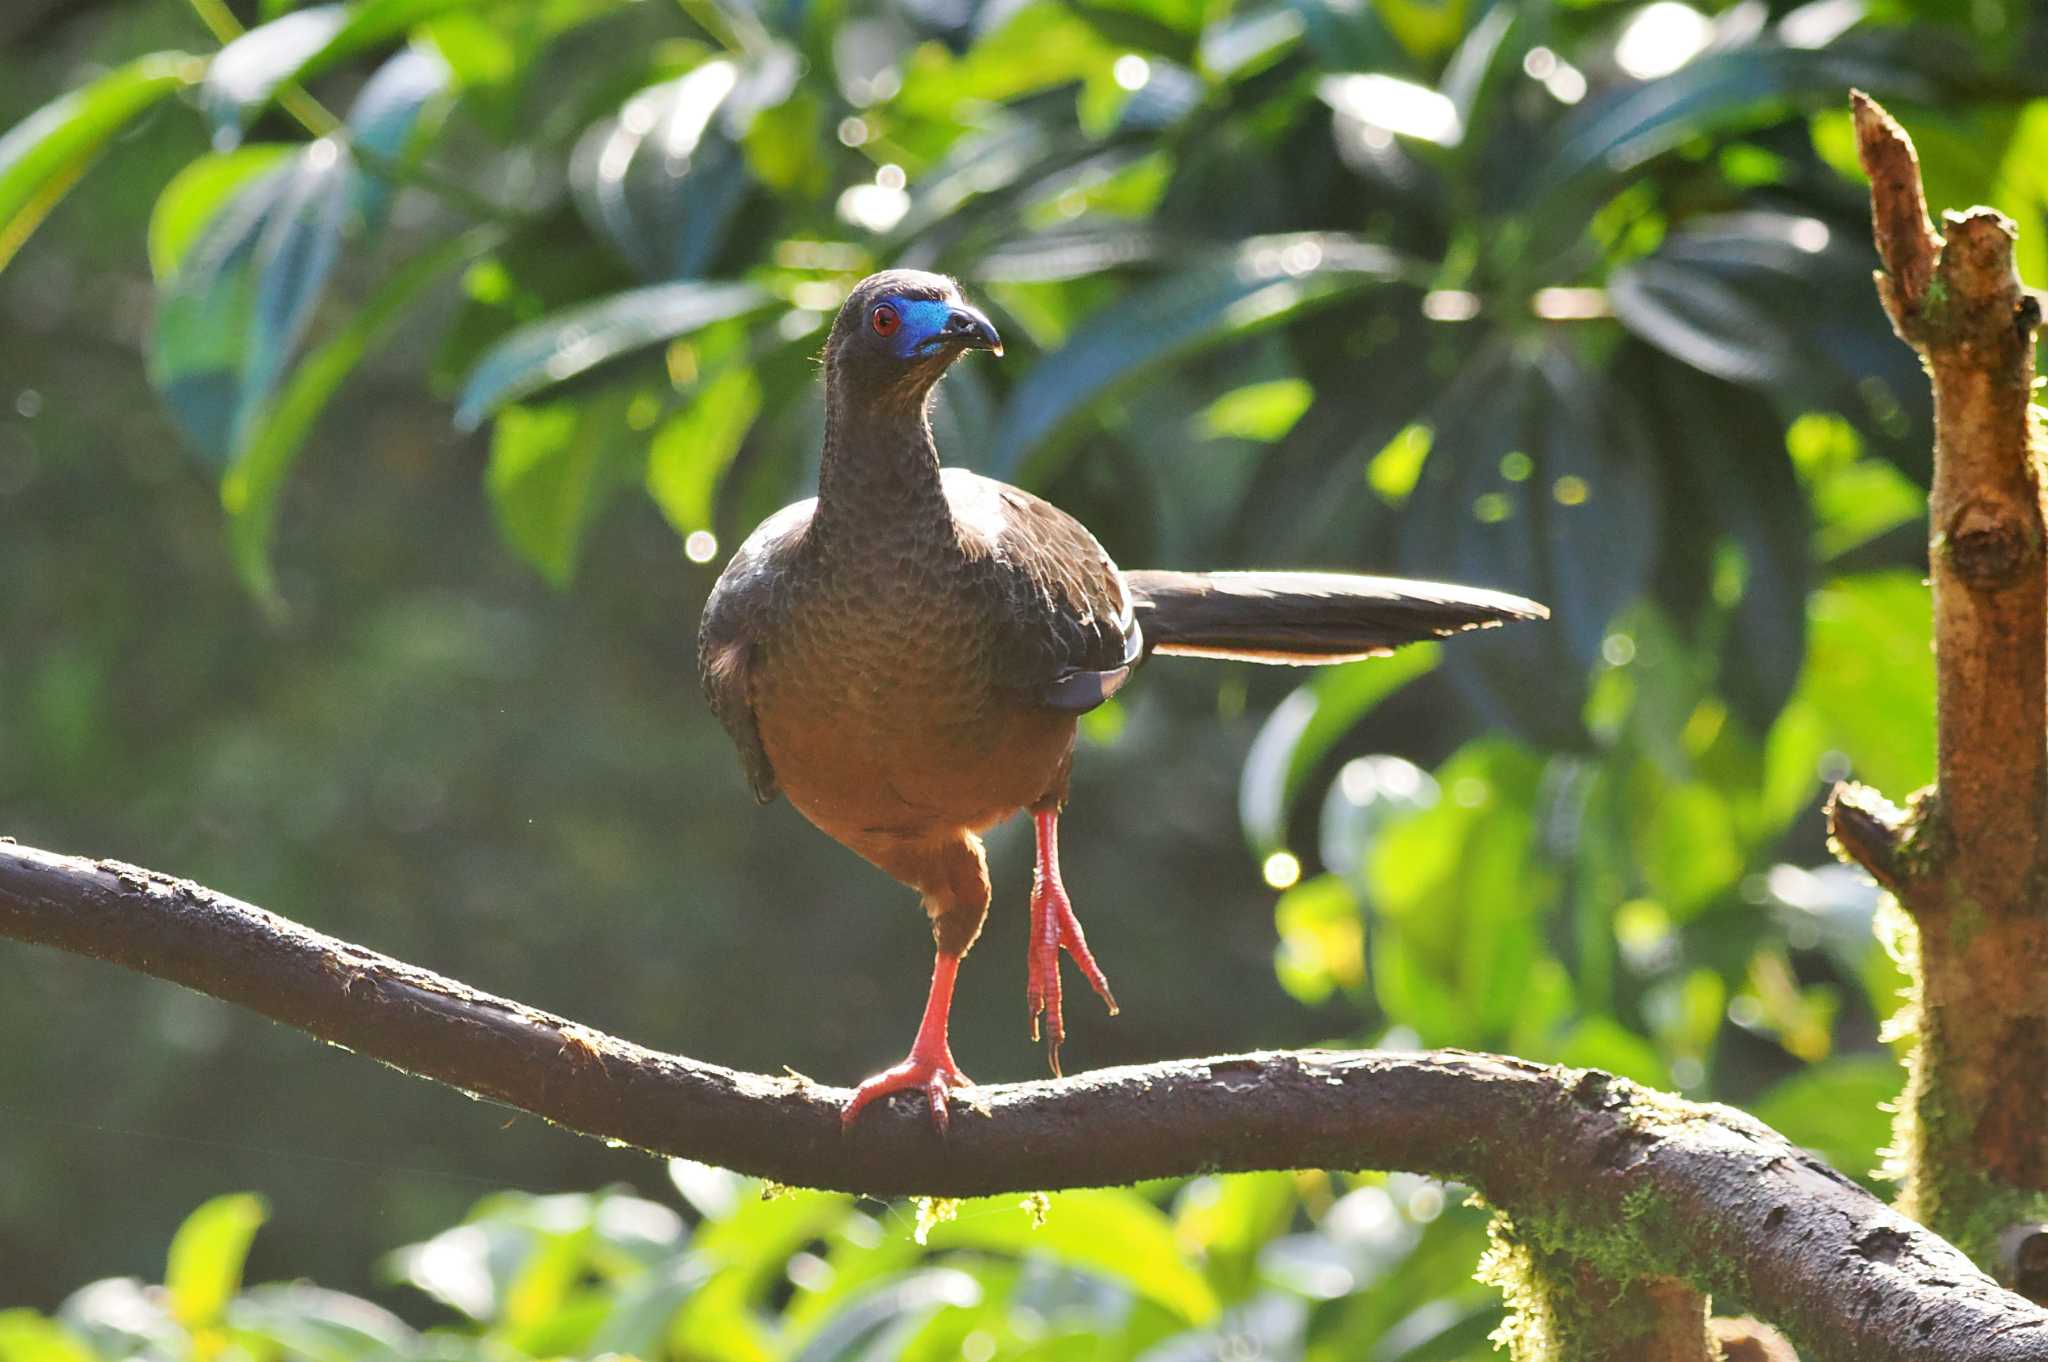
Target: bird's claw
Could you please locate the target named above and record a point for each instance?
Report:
(1054, 929)
(937, 1076)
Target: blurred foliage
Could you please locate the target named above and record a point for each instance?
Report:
(1264, 1265)
(1568, 298)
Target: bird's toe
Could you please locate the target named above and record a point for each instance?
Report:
(935, 1077)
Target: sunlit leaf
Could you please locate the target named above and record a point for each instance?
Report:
(204, 1269)
(249, 70)
(554, 467)
(569, 343)
(1322, 940)
(1116, 1233)
(26, 1336)
(196, 195)
(1258, 411)
(1870, 675)
(1458, 888)
(42, 156)
(692, 451)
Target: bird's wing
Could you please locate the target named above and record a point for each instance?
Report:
(744, 601)
(1069, 637)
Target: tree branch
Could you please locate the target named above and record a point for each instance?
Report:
(1870, 830)
(1640, 1185)
(1968, 864)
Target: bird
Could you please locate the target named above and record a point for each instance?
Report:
(906, 655)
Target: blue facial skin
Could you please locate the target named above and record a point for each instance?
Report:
(924, 324)
(928, 326)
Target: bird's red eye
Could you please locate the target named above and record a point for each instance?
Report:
(884, 319)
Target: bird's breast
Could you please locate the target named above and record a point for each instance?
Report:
(880, 706)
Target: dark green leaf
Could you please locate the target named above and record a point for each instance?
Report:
(574, 342)
(1258, 283)
(663, 180)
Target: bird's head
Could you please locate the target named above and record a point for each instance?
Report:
(899, 330)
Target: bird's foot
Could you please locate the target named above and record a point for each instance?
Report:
(935, 1073)
(1054, 928)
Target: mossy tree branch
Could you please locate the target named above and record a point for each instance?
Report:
(1967, 861)
(1605, 1187)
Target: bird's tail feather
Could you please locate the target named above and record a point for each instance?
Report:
(1305, 618)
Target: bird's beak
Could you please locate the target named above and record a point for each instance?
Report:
(972, 330)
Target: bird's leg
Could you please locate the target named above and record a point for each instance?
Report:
(930, 1064)
(1053, 928)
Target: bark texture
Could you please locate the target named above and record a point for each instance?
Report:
(1615, 1183)
(1966, 862)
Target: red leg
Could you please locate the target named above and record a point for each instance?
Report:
(930, 1065)
(1054, 928)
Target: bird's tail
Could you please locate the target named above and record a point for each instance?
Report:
(1306, 618)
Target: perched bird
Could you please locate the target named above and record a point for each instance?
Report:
(906, 654)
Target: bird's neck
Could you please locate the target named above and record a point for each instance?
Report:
(880, 472)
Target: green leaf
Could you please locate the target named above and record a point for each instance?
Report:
(381, 124)
(554, 466)
(196, 195)
(884, 1313)
(1538, 481)
(26, 1336)
(248, 72)
(1258, 411)
(1836, 1109)
(1322, 940)
(1304, 727)
(662, 180)
(1870, 675)
(1258, 283)
(1701, 320)
(692, 451)
(1117, 1234)
(205, 1266)
(244, 295)
(46, 153)
(1604, 1043)
(1609, 136)
(1459, 890)
(307, 1322)
(277, 433)
(577, 340)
